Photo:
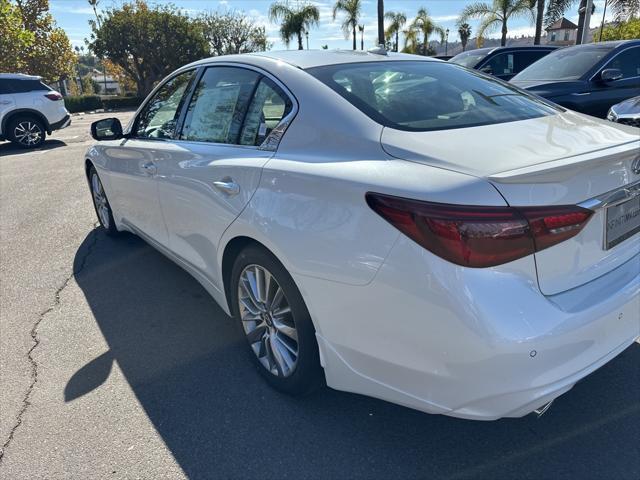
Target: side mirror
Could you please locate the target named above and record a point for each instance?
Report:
(106, 129)
(610, 75)
(487, 69)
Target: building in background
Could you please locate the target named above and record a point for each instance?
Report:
(562, 32)
(113, 87)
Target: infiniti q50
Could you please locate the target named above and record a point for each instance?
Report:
(390, 225)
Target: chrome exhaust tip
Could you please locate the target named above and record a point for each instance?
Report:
(541, 410)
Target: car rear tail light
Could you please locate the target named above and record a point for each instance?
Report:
(53, 96)
(474, 236)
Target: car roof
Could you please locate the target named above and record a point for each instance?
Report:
(19, 76)
(613, 44)
(523, 47)
(316, 58)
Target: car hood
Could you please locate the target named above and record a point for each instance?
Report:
(549, 89)
(487, 150)
(628, 107)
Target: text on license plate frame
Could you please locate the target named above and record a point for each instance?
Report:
(616, 229)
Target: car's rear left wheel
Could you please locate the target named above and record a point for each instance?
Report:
(27, 132)
(275, 322)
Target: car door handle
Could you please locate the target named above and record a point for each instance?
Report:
(149, 168)
(227, 186)
(5, 102)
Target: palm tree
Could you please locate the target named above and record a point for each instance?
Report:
(496, 14)
(381, 36)
(397, 19)
(464, 30)
(539, 4)
(351, 9)
(411, 41)
(424, 24)
(295, 21)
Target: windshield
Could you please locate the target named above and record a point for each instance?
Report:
(565, 64)
(423, 96)
(469, 59)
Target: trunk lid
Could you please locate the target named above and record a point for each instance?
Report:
(565, 159)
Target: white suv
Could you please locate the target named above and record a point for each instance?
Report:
(29, 110)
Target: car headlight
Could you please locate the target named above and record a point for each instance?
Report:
(611, 116)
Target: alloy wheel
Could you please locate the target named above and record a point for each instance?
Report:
(27, 133)
(267, 320)
(100, 200)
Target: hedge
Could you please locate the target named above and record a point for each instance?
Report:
(94, 102)
(84, 103)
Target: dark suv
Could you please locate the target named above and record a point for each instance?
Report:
(502, 62)
(587, 78)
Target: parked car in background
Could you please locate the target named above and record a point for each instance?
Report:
(586, 78)
(502, 62)
(29, 110)
(627, 112)
(446, 58)
(400, 226)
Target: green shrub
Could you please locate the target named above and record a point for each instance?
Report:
(86, 103)
(83, 103)
(114, 103)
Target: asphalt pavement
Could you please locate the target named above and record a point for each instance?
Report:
(115, 363)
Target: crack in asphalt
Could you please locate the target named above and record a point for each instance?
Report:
(36, 341)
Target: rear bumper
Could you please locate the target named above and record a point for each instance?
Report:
(470, 343)
(64, 123)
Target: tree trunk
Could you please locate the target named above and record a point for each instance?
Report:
(503, 42)
(539, 19)
(381, 22)
(355, 46)
(464, 44)
(425, 45)
(300, 47)
(397, 40)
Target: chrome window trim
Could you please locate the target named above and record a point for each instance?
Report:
(599, 71)
(272, 142)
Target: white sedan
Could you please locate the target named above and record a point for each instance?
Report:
(391, 225)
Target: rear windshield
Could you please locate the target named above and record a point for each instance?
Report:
(469, 59)
(565, 64)
(424, 96)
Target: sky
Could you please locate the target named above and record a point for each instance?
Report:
(73, 16)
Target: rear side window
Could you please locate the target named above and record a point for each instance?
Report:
(500, 64)
(525, 58)
(12, 85)
(424, 96)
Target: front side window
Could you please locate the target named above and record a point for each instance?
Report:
(219, 104)
(565, 64)
(159, 117)
(628, 62)
(424, 96)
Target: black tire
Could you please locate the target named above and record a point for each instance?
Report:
(107, 223)
(307, 375)
(26, 131)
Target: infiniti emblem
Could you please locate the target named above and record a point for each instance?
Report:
(635, 166)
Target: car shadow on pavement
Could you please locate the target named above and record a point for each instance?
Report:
(8, 148)
(189, 367)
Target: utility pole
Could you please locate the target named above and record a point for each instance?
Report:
(306, 34)
(587, 22)
(604, 14)
(446, 43)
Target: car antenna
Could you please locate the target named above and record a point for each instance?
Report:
(379, 50)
